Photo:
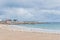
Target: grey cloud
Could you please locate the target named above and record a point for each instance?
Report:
(40, 9)
(40, 4)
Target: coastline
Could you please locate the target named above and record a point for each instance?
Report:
(7, 34)
(27, 29)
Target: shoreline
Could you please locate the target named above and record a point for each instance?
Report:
(25, 29)
(7, 34)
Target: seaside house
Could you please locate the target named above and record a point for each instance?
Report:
(8, 21)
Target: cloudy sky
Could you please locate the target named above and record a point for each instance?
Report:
(30, 10)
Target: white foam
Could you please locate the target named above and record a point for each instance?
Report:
(23, 28)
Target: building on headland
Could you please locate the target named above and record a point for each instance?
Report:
(9, 21)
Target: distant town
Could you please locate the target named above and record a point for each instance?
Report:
(16, 22)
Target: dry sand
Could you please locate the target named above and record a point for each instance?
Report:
(19, 35)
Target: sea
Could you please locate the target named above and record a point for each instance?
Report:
(48, 27)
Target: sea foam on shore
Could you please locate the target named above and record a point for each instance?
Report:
(27, 29)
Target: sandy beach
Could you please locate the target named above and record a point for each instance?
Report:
(6, 34)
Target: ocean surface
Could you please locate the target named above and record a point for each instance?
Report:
(50, 27)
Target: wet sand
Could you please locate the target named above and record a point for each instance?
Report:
(6, 34)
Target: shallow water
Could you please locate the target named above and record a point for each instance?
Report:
(50, 28)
